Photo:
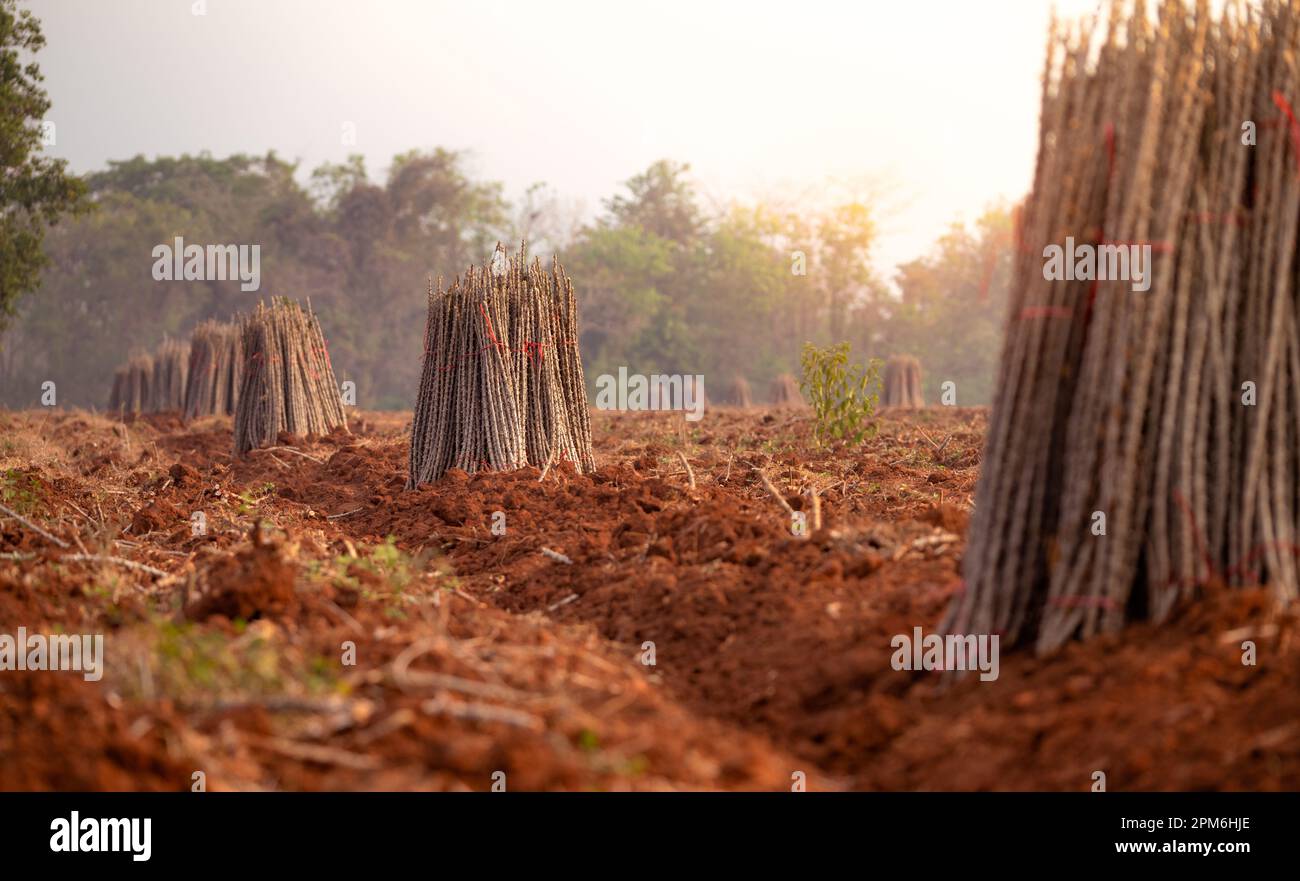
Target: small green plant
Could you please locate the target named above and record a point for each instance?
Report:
(188, 660)
(21, 492)
(843, 395)
(250, 499)
(384, 572)
(588, 741)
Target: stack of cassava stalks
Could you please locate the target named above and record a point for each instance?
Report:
(502, 384)
(784, 392)
(1144, 444)
(132, 386)
(170, 367)
(199, 378)
(287, 382)
(902, 385)
(738, 392)
(215, 370)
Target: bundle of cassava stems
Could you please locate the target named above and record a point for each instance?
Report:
(1145, 438)
(502, 384)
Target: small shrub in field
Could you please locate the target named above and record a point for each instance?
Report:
(843, 395)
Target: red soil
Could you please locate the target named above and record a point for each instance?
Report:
(477, 652)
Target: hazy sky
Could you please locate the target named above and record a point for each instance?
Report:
(937, 99)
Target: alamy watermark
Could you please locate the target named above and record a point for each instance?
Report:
(1109, 262)
(182, 262)
(78, 834)
(656, 392)
(956, 651)
(56, 651)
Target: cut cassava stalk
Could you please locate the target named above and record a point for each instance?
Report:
(502, 384)
(170, 366)
(738, 393)
(132, 387)
(784, 392)
(1143, 442)
(214, 371)
(902, 385)
(287, 381)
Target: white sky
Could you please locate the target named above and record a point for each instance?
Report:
(935, 99)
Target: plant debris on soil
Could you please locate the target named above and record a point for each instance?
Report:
(297, 620)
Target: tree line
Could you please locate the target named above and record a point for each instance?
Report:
(665, 283)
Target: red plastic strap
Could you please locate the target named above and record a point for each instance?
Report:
(1280, 100)
(533, 350)
(482, 308)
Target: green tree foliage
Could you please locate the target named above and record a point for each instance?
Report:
(953, 307)
(843, 395)
(362, 252)
(668, 289)
(660, 201)
(663, 285)
(749, 303)
(842, 251)
(35, 190)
